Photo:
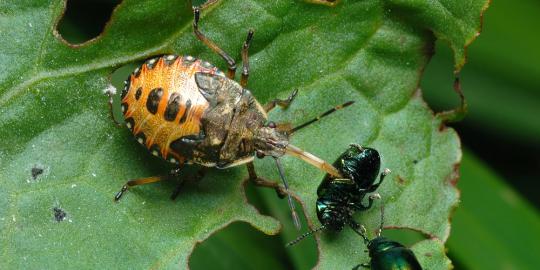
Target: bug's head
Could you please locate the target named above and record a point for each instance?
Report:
(270, 141)
(333, 218)
(362, 164)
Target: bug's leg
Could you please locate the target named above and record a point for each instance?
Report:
(197, 177)
(283, 103)
(110, 93)
(136, 182)
(245, 59)
(261, 182)
(143, 181)
(213, 46)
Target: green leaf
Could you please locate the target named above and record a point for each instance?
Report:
(457, 23)
(54, 122)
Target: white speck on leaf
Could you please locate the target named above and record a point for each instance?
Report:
(109, 90)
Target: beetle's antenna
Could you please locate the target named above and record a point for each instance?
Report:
(295, 218)
(382, 220)
(312, 159)
(301, 237)
(339, 107)
(360, 230)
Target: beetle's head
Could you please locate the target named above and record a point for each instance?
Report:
(332, 217)
(270, 141)
(362, 164)
(381, 244)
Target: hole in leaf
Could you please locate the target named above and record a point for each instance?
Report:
(268, 203)
(59, 214)
(240, 246)
(85, 20)
(407, 237)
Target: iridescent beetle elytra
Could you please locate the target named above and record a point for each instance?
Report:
(387, 254)
(186, 111)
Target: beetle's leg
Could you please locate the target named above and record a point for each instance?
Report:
(360, 207)
(381, 178)
(359, 229)
(197, 177)
(245, 59)
(142, 181)
(283, 103)
(261, 182)
(230, 61)
(110, 94)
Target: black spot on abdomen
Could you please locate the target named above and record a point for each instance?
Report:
(184, 116)
(154, 97)
(173, 107)
(138, 93)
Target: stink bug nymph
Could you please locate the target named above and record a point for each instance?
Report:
(338, 198)
(186, 110)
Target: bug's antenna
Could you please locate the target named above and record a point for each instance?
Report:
(313, 160)
(339, 107)
(295, 241)
(295, 218)
(382, 220)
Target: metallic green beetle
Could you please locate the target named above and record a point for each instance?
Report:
(387, 254)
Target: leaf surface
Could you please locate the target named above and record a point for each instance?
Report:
(62, 159)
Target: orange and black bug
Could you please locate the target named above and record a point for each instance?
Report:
(185, 111)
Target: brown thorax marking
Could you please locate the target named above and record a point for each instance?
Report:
(234, 125)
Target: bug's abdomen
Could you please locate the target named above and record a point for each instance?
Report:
(161, 103)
